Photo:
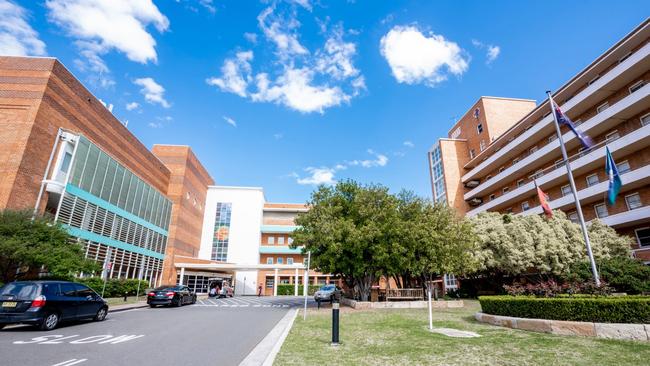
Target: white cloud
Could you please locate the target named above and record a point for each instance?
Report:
(318, 176)
(116, 24)
(236, 74)
(152, 91)
(230, 121)
(492, 52)
(208, 5)
(415, 57)
(251, 37)
(281, 32)
(299, 79)
(131, 106)
(155, 124)
(326, 175)
(408, 143)
(278, 136)
(17, 37)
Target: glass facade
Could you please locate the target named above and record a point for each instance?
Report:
(437, 175)
(114, 214)
(221, 232)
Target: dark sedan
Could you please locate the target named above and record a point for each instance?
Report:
(171, 295)
(47, 303)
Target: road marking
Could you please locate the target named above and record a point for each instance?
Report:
(99, 339)
(71, 362)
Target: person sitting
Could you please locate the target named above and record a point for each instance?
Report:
(213, 292)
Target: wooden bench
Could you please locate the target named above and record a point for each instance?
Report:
(404, 294)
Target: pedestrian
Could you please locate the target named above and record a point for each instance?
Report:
(259, 291)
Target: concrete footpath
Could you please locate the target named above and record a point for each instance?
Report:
(125, 307)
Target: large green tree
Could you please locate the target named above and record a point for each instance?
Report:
(28, 245)
(515, 245)
(363, 232)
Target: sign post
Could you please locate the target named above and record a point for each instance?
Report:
(107, 267)
(306, 284)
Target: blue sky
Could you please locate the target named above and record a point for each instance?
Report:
(288, 94)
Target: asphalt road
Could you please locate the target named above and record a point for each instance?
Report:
(190, 335)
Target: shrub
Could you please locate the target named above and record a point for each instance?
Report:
(624, 274)
(614, 309)
(114, 287)
(551, 288)
(285, 289)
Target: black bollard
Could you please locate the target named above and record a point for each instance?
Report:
(125, 295)
(335, 323)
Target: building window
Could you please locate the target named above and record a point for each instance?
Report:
(623, 167)
(270, 240)
(482, 145)
(269, 260)
(573, 216)
(488, 178)
(269, 282)
(566, 190)
(290, 241)
(65, 164)
(505, 190)
(290, 260)
(538, 174)
(624, 57)
(501, 169)
(525, 206)
(520, 182)
(602, 107)
(456, 133)
(601, 210)
(221, 232)
(636, 86)
(533, 149)
(509, 210)
(559, 163)
(492, 196)
(612, 136)
(645, 120)
(633, 201)
(552, 138)
(450, 281)
(592, 180)
(643, 236)
(280, 240)
(472, 153)
(280, 260)
(479, 128)
(577, 122)
(515, 161)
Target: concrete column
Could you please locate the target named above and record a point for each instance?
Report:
(275, 283)
(295, 283)
(180, 280)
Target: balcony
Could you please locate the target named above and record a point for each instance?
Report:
(602, 122)
(624, 145)
(631, 180)
(278, 229)
(613, 80)
(628, 218)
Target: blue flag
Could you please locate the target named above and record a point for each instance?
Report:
(614, 178)
(562, 119)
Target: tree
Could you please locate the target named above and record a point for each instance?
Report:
(27, 245)
(515, 245)
(363, 232)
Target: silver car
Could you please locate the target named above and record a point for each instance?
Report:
(327, 293)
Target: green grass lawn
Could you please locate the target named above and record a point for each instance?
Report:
(400, 337)
(112, 301)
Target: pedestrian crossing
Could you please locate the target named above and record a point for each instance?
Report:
(254, 302)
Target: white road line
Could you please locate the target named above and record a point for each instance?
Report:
(71, 362)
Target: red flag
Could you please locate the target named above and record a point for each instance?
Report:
(543, 201)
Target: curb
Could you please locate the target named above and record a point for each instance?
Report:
(125, 308)
(265, 351)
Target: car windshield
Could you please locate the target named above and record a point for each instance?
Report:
(20, 290)
(327, 288)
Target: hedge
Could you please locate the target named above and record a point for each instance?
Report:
(284, 289)
(114, 287)
(614, 309)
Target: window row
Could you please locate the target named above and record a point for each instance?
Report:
(279, 240)
(96, 172)
(279, 260)
(79, 213)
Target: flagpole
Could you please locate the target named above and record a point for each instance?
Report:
(581, 218)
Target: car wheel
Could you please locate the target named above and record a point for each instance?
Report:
(179, 302)
(50, 321)
(152, 305)
(101, 314)
(194, 300)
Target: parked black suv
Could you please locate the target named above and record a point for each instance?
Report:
(46, 303)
